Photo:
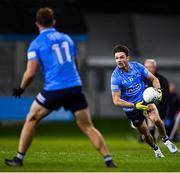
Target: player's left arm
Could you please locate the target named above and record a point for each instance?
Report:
(147, 74)
(154, 80)
(156, 83)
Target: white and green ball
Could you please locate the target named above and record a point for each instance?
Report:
(151, 95)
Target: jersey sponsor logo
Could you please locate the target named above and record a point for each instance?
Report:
(133, 89)
(41, 98)
(31, 55)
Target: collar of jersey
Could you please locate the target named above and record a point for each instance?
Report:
(130, 67)
(47, 29)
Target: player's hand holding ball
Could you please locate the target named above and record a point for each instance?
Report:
(152, 95)
(140, 106)
(160, 94)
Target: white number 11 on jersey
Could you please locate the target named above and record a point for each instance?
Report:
(58, 48)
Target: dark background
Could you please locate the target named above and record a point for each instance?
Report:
(17, 16)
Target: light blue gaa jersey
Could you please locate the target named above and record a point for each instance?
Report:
(56, 53)
(131, 83)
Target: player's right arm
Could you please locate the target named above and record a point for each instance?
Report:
(31, 68)
(116, 93)
(29, 74)
(120, 102)
(32, 64)
(123, 103)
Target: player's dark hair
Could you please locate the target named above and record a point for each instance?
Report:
(45, 17)
(120, 48)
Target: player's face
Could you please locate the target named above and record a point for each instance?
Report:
(121, 60)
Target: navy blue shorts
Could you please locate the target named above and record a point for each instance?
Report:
(136, 117)
(71, 99)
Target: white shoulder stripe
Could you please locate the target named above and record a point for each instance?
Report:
(31, 55)
(114, 87)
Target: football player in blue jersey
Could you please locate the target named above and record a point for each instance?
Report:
(56, 53)
(127, 86)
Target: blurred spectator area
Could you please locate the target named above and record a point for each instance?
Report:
(149, 29)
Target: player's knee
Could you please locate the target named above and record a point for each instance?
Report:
(144, 131)
(84, 123)
(86, 128)
(32, 117)
(148, 134)
(158, 121)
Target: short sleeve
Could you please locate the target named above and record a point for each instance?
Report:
(32, 51)
(144, 71)
(115, 84)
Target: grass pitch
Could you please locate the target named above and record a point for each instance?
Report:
(60, 147)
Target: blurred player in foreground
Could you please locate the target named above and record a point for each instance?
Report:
(55, 52)
(173, 119)
(163, 106)
(127, 86)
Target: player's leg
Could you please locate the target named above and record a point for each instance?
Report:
(153, 115)
(151, 128)
(143, 129)
(138, 118)
(141, 137)
(84, 122)
(36, 113)
(74, 100)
